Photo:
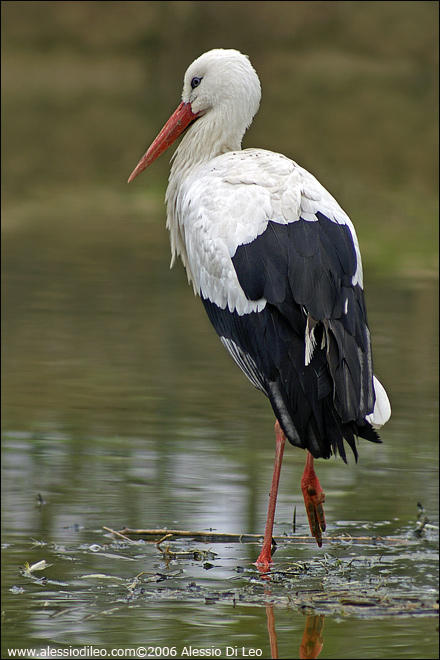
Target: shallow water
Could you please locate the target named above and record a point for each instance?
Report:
(121, 408)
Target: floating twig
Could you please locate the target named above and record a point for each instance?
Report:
(113, 531)
(164, 538)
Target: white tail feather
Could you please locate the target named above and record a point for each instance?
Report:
(382, 407)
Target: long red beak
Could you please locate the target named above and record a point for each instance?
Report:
(176, 124)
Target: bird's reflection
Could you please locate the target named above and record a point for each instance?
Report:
(312, 639)
(272, 632)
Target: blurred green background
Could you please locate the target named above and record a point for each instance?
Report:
(349, 91)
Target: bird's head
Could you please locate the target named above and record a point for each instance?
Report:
(220, 86)
(222, 81)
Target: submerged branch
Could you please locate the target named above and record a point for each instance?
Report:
(222, 537)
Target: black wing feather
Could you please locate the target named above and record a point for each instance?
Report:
(305, 272)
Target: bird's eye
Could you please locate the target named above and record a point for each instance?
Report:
(195, 82)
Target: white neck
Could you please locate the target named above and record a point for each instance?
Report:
(204, 140)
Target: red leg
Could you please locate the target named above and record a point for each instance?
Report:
(265, 557)
(314, 499)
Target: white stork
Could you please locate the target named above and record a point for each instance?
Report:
(276, 262)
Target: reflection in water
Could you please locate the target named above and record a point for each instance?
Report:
(312, 641)
(271, 630)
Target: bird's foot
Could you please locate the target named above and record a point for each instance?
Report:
(314, 498)
(265, 560)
